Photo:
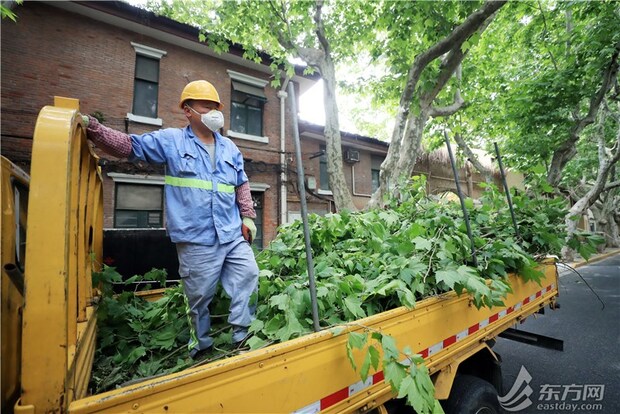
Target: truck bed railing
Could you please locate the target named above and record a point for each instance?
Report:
(64, 244)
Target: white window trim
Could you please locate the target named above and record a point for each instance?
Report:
(148, 51)
(250, 80)
(136, 179)
(259, 187)
(145, 119)
(240, 135)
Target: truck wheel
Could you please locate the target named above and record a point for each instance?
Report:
(471, 395)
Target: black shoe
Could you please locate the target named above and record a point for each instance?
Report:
(200, 355)
(242, 344)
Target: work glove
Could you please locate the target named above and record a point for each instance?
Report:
(248, 229)
(86, 120)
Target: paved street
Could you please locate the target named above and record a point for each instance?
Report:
(585, 378)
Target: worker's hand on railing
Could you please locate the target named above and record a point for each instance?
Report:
(248, 229)
(86, 120)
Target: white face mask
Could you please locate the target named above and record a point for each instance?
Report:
(214, 119)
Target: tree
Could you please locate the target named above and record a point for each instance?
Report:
(318, 32)
(537, 82)
(607, 160)
(422, 85)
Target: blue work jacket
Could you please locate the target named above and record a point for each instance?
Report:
(200, 203)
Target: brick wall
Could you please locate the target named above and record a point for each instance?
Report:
(54, 52)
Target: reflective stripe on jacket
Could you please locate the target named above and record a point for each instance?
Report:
(200, 203)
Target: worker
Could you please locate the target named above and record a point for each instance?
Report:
(209, 208)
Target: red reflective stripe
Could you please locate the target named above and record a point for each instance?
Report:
(473, 328)
(334, 398)
(378, 377)
(449, 341)
(494, 318)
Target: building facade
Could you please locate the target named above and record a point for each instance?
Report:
(127, 67)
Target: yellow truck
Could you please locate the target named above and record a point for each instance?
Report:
(52, 241)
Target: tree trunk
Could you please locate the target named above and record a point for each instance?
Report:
(337, 181)
(606, 163)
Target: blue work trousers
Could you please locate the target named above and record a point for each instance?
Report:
(201, 268)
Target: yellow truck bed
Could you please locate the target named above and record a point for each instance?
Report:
(312, 373)
(304, 375)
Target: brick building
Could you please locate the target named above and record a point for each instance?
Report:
(128, 66)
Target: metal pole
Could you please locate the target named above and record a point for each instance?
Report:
(460, 194)
(506, 189)
(304, 207)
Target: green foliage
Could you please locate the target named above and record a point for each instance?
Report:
(372, 261)
(366, 263)
(404, 371)
(6, 12)
(137, 338)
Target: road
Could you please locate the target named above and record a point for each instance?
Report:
(585, 377)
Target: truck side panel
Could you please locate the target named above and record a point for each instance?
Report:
(312, 373)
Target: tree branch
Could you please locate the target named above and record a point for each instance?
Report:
(486, 172)
(453, 41)
(449, 109)
(542, 13)
(566, 151)
(320, 28)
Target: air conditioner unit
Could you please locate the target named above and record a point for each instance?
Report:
(351, 156)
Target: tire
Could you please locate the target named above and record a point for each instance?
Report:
(471, 395)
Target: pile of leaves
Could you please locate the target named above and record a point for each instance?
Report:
(372, 261)
(365, 263)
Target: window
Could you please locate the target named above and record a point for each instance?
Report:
(247, 107)
(323, 176)
(375, 168)
(138, 206)
(146, 85)
(246, 113)
(257, 198)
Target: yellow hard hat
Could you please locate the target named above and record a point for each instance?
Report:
(201, 90)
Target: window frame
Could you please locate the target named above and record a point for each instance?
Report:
(129, 179)
(238, 81)
(324, 187)
(148, 53)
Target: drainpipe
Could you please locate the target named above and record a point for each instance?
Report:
(283, 176)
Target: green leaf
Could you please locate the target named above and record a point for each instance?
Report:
(357, 340)
(256, 343)
(449, 277)
(390, 351)
(422, 244)
(394, 373)
(353, 304)
(374, 357)
(365, 366)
